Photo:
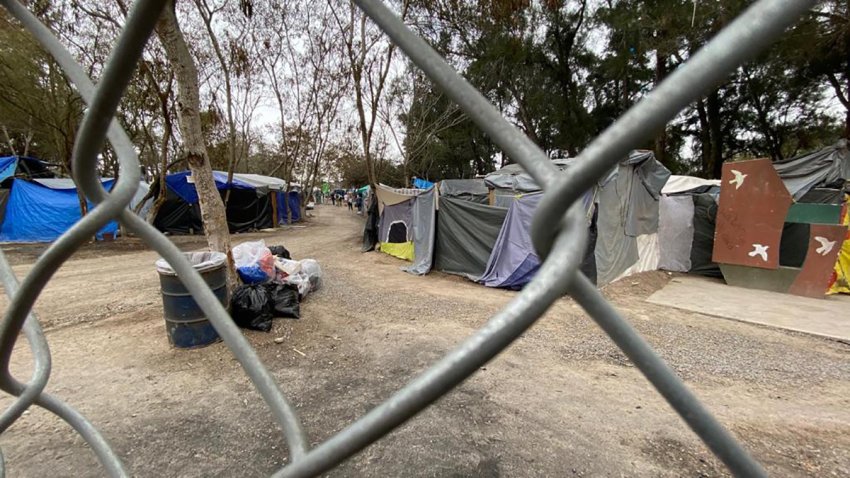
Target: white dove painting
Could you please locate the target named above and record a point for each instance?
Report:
(759, 250)
(825, 245)
(739, 179)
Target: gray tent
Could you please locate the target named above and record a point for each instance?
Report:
(466, 234)
(423, 218)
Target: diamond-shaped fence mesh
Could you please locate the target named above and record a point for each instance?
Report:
(561, 246)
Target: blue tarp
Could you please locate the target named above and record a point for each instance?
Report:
(8, 165)
(35, 213)
(514, 262)
(186, 191)
(422, 184)
(294, 203)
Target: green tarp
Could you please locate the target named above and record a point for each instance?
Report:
(466, 234)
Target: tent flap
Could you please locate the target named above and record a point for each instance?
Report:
(466, 234)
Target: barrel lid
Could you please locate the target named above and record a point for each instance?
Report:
(202, 261)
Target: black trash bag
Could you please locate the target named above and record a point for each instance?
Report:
(280, 252)
(251, 307)
(284, 300)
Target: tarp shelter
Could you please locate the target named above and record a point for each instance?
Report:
(395, 226)
(249, 206)
(687, 211)
(466, 234)
(514, 262)
(474, 190)
(22, 167)
(626, 213)
(42, 211)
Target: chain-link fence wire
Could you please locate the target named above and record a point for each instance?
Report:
(558, 230)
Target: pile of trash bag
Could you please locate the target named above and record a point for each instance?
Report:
(273, 284)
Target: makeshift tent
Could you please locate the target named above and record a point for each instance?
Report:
(626, 215)
(687, 210)
(38, 213)
(465, 236)
(22, 167)
(249, 205)
(474, 190)
(395, 226)
(423, 218)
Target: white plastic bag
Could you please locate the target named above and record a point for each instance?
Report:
(289, 266)
(311, 268)
(250, 253)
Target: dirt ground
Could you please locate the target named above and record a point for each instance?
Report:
(562, 401)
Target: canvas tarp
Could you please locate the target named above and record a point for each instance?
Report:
(680, 184)
(466, 234)
(395, 230)
(68, 183)
(388, 196)
(423, 217)
(469, 189)
(628, 208)
(35, 213)
(826, 167)
(285, 205)
(675, 233)
(514, 262)
(514, 178)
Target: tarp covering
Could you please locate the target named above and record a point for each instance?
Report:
(513, 177)
(705, 215)
(260, 181)
(628, 208)
(419, 183)
(388, 196)
(68, 183)
(513, 262)
(466, 234)
(284, 206)
(675, 232)
(178, 183)
(826, 167)
(423, 217)
(8, 166)
(395, 231)
(678, 184)
(469, 189)
(35, 213)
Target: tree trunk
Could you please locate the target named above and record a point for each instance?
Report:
(188, 102)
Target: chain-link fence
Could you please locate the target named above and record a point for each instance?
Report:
(560, 245)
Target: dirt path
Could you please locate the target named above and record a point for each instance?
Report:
(562, 401)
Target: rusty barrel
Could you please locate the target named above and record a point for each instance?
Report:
(185, 323)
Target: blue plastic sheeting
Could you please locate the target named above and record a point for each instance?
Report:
(294, 203)
(186, 191)
(36, 213)
(422, 184)
(514, 262)
(8, 166)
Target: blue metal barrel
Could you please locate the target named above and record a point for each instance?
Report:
(185, 323)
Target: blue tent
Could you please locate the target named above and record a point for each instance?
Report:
(283, 206)
(37, 213)
(180, 185)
